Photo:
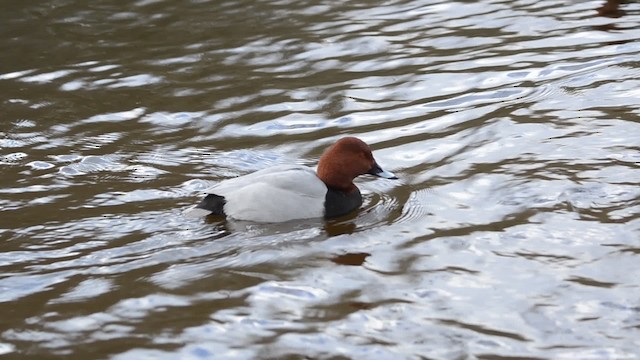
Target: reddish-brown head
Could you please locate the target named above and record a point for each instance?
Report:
(345, 160)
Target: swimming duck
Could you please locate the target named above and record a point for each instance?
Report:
(289, 192)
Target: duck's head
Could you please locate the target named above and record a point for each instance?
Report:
(347, 159)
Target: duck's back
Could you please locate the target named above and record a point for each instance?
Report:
(274, 194)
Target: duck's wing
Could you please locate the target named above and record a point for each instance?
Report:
(273, 195)
(296, 177)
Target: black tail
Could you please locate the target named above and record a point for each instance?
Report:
(213, 203)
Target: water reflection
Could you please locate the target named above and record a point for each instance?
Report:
(351, 259)
(611, 8)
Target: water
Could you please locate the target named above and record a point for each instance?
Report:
(514, 231)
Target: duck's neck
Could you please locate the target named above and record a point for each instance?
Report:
(348, 189)
(338, 180)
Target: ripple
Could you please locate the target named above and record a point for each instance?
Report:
(271, 290)
(12, 158)
(86, 289)
(416, 207)
(46, 77)
(115, 117)
(6, 348)
(40, 165)
(173, 120)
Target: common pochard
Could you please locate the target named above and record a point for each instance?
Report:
(289, 192)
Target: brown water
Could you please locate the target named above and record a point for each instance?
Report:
(514, 231)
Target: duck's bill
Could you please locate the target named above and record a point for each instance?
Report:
(386, 174)
(376, 170)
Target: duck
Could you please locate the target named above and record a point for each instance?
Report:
(293, 192)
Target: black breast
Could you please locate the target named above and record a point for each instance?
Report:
(338, 203)
(213, 203)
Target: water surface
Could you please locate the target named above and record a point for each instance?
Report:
(513, 232)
